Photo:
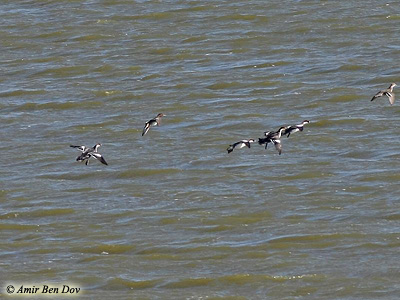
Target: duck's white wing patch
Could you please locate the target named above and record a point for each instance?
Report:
(278, 146)
(391, 97)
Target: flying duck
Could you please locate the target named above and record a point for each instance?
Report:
(152, 122)
(295, 128)
(240, 145)
(387, 92)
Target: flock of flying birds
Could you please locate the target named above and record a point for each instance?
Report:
(273, 137)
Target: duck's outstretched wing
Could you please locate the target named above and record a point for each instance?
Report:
(80, 148)
(146, 128)
(391, 97)
(377, 95)
(278, 145)
(99, 157)
(230, 148)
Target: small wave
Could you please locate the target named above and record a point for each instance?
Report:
(151, 16)
(344, 98)
(159, 256)
(95, 125)
(62, 176)
(63, 72)
(19, 93)
(388, 177)
(244, 17)
(131, 284)
(307, 175)
(168, 221)
(104, 248)
(149, 77)
(350, 68)
(314, 238)
(161, 51)
(39, 213)
(217, 228)
(249, 218)
(263, 84)
(239, 279)
(253, 278)
(91, 37)
(105, 69)
(18, 227)
(52, 34)
(189, 283)
(31, 106)
(392, 217)
(145, 172)
(333, 122)
(44, 251)
(197, 8)
(224, 85)
(195, 39)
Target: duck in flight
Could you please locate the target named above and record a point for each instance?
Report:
(295, 128)
(273, 137)
(153, 122)
(240, 145)
(387, 92)
(87, 153)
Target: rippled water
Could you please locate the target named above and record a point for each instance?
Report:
(173, 216)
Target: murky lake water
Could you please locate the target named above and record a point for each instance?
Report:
(173, 216)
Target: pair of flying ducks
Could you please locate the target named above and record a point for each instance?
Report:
(273, 137)
(88, 153)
